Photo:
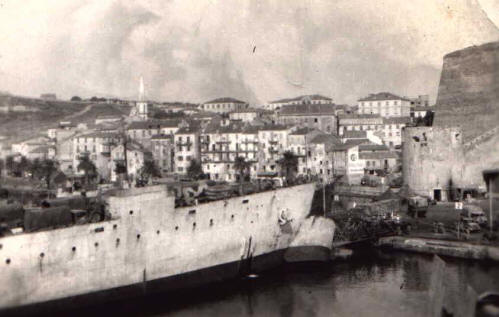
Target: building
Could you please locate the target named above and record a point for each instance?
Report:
(42, 152)
(347, 167)
(321, 159)
(420, 112)
(140, 110)
(25, 147)
(316, 116)
(136, 155)
(97, 146)
(163, 152)
(392, 130)
(246, 115)
(273, 142)
(420, 101)
(220, 146)
(307, 99)
(379, 160)
(299, 143)
(223, 105)
(359, 122)
(385, 104)
(367, 135)
(186, 142)
(142, 131)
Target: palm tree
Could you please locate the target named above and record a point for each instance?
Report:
(289, 164)
(150, 169)
(195, 170)
(88, 168)
(47, 169)
(242, 167)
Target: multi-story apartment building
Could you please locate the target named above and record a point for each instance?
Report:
(223, 105)
(359, 122)
(321, 161)
(385, 104)
(186, 142)
(392, 130)
(220, 146)
(307, 99)
(246, 115)
(136, 155)
(142, 131)
(346, 163)
(299, 143)
(317, 116)
(163, 152)
(97, 146)
(273, 141)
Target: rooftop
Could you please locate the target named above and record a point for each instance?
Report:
(310, 109)
(153, 124)
(373, 147)
(396, 120)
(225, 100)
(358, 116)
(382, 96)
(161, 137)
(302, 131)
(354, 134)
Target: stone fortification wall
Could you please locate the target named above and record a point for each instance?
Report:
(147, 239)
(468, 94)
(433, 157)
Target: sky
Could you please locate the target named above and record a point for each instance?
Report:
(256, 51)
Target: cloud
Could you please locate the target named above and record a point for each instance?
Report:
(252, 50)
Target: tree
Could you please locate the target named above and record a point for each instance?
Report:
(88, 167)
(47, 169)
(10, 164)
(75, 98)
(289, 164)
(35, 168)
(23, 166)
(150, 169)
(195, 170)
(242, 167)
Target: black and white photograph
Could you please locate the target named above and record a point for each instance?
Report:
(249, 158)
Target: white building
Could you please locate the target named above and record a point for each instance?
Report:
(223, 105)
(385, 104)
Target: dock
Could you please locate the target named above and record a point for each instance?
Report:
(457, 249)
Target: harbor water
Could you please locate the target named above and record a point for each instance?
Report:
(371, 283)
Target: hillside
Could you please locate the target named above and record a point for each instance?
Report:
(38, 115)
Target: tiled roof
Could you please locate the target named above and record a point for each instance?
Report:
(309, 109)
(161, 136)
(273, 127)
(302, 131)
(358, 116)
(382, 96)
(329, 140)
(248, 110)
(225, 100)
(373, 147)
(396, 120)
(354, 134)
(187, 130)
(153, 124)
(99, 134)
(40, 149)
(377, 155)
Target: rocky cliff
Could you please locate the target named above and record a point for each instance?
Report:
(468, 94)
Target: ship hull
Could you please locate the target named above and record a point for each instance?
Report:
(165, 286)
(150, 240)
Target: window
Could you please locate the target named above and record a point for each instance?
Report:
(180, 158)
(180, 168)
(188, 158)
(316, 120)
(368, 163)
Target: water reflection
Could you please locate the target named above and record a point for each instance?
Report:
(370, 284)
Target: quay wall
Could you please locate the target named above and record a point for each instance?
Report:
(147, 239)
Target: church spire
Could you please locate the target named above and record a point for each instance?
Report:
(141, 89)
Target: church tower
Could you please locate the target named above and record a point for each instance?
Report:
(142, 107)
